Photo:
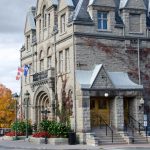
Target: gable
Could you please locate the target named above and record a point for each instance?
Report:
(65, 3)
(106, 3)
(136, 4)
(102, 80)
(48, 3)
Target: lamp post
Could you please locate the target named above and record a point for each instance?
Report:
(26, 98)
(15, 95)
(45, 112)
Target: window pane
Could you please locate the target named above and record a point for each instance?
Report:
(105, 15)
(99, 24)
(104, 24)
(99, 15)
(102, 104)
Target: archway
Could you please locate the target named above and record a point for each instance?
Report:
(42, 102)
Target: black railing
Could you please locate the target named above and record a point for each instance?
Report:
(40, 76)
(103, 122)
(97, 120)
(137, 125)
(129, 130)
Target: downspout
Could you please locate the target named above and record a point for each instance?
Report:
(139, 70)
(74, 59)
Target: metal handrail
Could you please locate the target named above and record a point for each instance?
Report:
(107, 126)
(139, 125)
(132, 129)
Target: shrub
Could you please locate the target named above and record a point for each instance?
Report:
(58, 129)
(21, 127)
(44, 125)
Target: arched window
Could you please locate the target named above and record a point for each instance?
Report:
(49, 51)
(41, 55)
(44, 15)
(41, 61)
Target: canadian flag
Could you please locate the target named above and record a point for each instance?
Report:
(19, 73)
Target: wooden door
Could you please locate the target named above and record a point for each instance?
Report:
(99, 107)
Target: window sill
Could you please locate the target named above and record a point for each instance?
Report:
(102, 30)
(61, 34)
(139, 33)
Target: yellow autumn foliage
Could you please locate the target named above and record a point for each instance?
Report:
(7, 107)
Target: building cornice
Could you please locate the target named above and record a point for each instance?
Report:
(111, 37)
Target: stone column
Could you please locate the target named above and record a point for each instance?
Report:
(119, 113)
(83, 116)
(86, 113)
(137, 112)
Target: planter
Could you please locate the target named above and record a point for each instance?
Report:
(11, 138)
(52, 141)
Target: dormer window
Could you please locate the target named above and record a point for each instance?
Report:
(102, 18)
(63, 23)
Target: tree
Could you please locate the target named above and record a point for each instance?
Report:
(65, 110)
(7, 107)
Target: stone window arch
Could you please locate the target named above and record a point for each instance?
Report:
(44, 16)
(41, 55)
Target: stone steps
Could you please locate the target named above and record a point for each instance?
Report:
(107, 140)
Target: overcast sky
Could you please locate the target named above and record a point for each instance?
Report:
(12, 21)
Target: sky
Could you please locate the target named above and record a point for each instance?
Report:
(12, 22)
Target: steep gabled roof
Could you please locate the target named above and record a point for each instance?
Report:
(123, 3)
(81, 13)
(106, 3)
(30, 22)
(133, 4)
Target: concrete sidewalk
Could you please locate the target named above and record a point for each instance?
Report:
(21, 144)
(125, 146)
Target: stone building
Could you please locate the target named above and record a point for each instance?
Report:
(100, 49)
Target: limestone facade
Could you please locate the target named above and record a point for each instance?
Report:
(64, 36)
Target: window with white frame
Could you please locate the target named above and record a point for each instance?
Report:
(67, 60)
(49, 19)
(41, 64)
(44, 17)
(30, 69)
(40, 24)
(102, 18)
(49, 61)
(60, 61)
(28, 42)
(63, 23)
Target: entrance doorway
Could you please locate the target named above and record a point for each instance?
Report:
(99, 107)
(42, 103)
(126, 110)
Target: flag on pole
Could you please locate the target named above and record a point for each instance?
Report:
(19, 73)
(26, 69)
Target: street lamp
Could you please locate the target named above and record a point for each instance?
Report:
(26, 98)
(45, 112)
(15, 96)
